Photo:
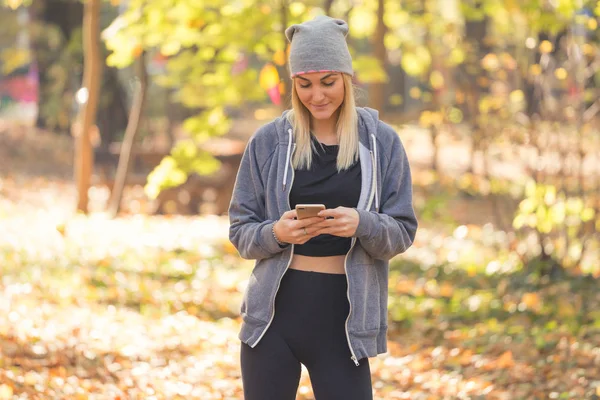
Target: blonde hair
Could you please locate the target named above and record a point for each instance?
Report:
(346, 127)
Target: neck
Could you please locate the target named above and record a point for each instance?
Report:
(325, 129)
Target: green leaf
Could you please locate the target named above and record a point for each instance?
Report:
(362, 21)
(14, 58)
(165, 175)
(369, 69)
(587, 214)
(558, 213)
(416, 62)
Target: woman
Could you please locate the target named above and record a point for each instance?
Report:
(317, 295)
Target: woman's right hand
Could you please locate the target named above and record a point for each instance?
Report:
(288, 229)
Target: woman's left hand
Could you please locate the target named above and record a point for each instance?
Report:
(340, 221)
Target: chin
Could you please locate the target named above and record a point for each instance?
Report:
(328, 113)
(321, 114)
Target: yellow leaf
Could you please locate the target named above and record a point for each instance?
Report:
(415, 92)
(425, 119)
(13, 4)
(546, 47)
(446, 290)
(560, 73)
(436, 79)
(137, 51)
(269, 77)
(588, 49)
(61, 229)
(535, 69)
(517, 96)
(362, 22)
(279, 57)
(505, 360)
(457, 56)
(531, 300)
(6, 392)
(490, 62)
(465, 357)
(169, 48)
(396, 99)
(297, 8)
(229, 248)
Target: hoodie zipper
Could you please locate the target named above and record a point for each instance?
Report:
(353, 355)
(373, 189)
(291, 254)
(353, 358)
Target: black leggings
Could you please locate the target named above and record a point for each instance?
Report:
(308, 328)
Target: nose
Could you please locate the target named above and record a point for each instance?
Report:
(318, 96)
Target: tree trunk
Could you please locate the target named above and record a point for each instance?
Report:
(286, 101)
(130, 133)
(377, 90)
(475, 32)
(112, 108)
(91, 80)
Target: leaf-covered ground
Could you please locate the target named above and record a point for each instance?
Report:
(146, 308)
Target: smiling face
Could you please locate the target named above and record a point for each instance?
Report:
(322, 93)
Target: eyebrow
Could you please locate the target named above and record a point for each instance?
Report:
(325, 77)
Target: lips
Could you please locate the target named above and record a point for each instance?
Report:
(319, 107)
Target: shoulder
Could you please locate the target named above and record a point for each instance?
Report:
(267, 133)
(369, 118)
(271, 132)
(263, 143)
(386, 134)
(388, 140)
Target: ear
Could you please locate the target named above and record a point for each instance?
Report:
(342, 26)
(289, 32)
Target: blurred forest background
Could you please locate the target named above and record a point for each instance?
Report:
(122, 125)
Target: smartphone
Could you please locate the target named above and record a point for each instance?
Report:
(308, 210)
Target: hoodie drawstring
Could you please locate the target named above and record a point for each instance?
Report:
(375, 163)
(287, 159)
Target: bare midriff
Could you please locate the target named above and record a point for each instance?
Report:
(329, 265)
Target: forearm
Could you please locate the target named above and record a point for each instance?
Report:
(384, 236)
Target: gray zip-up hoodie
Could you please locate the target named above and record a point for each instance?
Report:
(386, 228)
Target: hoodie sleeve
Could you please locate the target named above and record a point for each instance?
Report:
(392, 230)
(249, 229)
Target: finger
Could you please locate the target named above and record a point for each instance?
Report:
(311, 231)
(289, 214)
(303, 241)
(335, 231)
(328, 223)
(302, 223)
(332, 212)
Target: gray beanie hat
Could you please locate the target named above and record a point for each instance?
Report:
(319, 45)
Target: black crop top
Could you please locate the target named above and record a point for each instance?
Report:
(322, 184)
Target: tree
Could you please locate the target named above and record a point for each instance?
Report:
(212, 54)
(130, 133)
(91, 80)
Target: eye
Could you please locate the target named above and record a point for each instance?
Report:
(328, 84)
(305, 86)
